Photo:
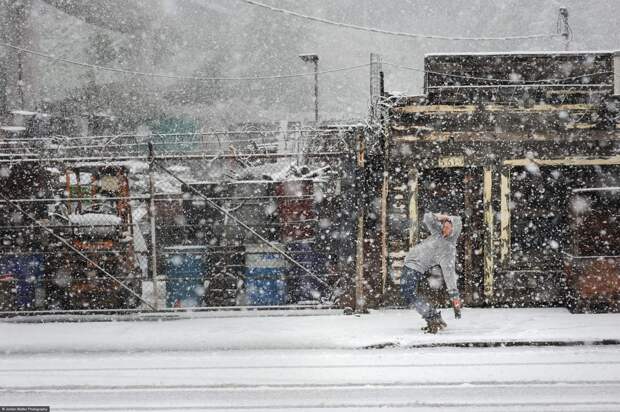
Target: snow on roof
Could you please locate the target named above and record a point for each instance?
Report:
(85, 178)
(184, 248)
(13, 129)
(258, 181)
(516, 53)
(99, 223)
(179, 168)
(101, 114)
(23, 113)
(341, 125)
(133, 165)
(596, 189)
(53, 170)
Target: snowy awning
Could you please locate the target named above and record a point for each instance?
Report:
(96, 223)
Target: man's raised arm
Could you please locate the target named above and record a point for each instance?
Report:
(457, 226)
(432, 222)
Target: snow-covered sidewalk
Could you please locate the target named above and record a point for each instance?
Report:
(308, 329)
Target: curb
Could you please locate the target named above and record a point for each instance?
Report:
(493, 344)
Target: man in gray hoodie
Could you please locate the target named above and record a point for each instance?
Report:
(439, 249)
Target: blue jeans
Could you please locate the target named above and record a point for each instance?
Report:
(409, 280)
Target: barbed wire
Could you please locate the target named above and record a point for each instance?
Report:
(394, 33)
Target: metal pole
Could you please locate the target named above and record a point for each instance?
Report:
(360, 299)
(152, 215)
(487, 201)
(316, 92)
(13, 157)
(384, 226)
(20, 79)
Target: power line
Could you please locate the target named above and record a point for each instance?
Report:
(340, 69)
(178, 77)
(285, 76)
(393, 33)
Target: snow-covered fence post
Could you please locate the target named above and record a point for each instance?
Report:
(414, 228)
(505, 216)
(381, 119)
(488, 233)
(360, 300)
(384, 227)
(152, 216)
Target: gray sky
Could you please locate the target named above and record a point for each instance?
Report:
(232, 38)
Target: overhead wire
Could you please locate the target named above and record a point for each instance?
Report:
(178, 77)
(340, 69)
(394, 33)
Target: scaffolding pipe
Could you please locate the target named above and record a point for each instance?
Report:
(164, 157)
(153, 227)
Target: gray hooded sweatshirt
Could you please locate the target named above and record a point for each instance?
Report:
(437, 250)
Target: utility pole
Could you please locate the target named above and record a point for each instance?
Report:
(14, 29)
(316, 91)
(314, 58)
(360, 298)
(564, 28)
(375, 84)
(20, 79)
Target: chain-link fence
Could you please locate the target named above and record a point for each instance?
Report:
(245, 217)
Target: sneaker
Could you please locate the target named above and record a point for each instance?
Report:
(457, 305)
(434, 324)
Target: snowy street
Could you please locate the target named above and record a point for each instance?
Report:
(510, 379)
(315, 360)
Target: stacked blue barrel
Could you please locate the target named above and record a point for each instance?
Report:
(265, 280)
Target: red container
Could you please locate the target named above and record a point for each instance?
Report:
(296, 209)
